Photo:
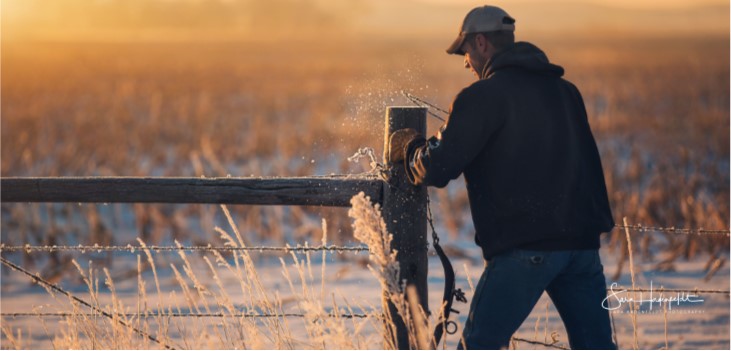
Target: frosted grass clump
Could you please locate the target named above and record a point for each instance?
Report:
(370, 229)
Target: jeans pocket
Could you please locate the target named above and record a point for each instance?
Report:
(530, 258)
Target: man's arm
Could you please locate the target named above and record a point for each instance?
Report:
(472, 121)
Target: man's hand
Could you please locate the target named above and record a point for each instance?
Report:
(398, 142)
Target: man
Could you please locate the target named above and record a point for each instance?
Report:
(521, 137)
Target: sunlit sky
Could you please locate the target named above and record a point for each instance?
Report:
(109, 20)
(645, 4)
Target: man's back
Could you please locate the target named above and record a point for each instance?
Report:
(532, 168)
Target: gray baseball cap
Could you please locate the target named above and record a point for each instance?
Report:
(480, 20)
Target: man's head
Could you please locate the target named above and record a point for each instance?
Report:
(485, 31)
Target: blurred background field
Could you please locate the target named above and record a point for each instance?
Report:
(292, 88)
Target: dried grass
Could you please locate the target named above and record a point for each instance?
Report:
(324, 327)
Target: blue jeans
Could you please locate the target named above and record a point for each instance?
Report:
(513, 282)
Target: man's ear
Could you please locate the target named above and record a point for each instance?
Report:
(483, 45)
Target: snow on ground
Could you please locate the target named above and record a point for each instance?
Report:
(701, 325)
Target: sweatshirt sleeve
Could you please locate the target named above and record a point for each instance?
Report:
(443, 157)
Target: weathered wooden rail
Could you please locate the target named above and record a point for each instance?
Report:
(403, 205)
(313, 191)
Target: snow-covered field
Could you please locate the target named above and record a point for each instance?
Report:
(348, 282)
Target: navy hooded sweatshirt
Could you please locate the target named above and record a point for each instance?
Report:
(521, 137)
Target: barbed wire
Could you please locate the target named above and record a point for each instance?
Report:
(154, 248)
(672, 230)
(39, 280)
(188, 315)
(299, 248)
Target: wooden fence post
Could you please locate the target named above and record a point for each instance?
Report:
(404, 211)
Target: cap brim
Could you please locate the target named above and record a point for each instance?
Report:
(456, 47)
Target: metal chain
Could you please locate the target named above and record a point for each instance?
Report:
(99, 248)
(378, 170)
(429, 218)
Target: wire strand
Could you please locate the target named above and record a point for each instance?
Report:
(422, 103)
(153, 248)
(184, 315)
(300, 248)
(39, 280)
(672, 230)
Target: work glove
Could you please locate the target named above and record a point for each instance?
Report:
(399, 141)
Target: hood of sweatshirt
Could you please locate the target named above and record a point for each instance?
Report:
(522, 55)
